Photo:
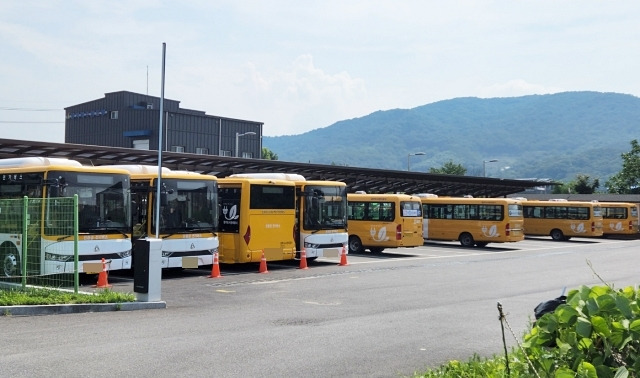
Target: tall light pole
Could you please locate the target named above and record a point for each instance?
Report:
(409, 158)
(484, 166)
(238, 135)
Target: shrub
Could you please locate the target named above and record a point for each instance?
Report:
(595, 334)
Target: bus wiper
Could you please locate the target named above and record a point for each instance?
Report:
(100, 230)
(61, 238)
(117, 230)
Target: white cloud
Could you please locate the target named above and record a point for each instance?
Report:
(300, 66)
(302, 97)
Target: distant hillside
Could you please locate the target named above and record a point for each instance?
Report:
(542, 136)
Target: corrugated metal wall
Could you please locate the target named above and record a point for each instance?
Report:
(96, 123)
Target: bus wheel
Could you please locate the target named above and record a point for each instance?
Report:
(466, 240)
(557, 235)
(10, 261)
(355, 245)
(481, 244)
(376, 249)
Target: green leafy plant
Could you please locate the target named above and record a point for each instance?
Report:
(595, 334)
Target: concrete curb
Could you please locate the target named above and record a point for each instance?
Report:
(79, 308)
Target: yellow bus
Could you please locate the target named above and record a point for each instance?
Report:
(104, 219)
(472, 221)
(257, 215)
(379, 221)
(619, 218)
(188, 213)
(321, 214)
(562, 219)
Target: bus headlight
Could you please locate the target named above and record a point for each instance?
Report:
(167, 253)
(55, 257)
(311, 245)
(125, 254)
(213, 251)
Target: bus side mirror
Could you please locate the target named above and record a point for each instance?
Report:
(163, 199)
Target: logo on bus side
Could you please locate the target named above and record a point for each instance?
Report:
(492, 232)
(578, 228)
(380, 235)
(615, 226)
(230, 214)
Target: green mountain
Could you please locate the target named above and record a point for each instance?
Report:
(553, 136)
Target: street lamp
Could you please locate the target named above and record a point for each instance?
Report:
(238, 135)
(484, 166)
(409, 158)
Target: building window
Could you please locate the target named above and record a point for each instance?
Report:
(177, 148)
(202, 151)
(247, 155)
(141, 144)
(225, 153)
(114, 114)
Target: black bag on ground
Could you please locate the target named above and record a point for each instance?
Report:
(548, 306)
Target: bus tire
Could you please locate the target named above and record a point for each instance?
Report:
(10, 260)
(376, 249)
(466, 240)
(557, 235)
(355, 244)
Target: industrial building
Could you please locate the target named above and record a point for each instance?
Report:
(132, 120)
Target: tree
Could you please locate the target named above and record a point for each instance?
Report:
(626, 181)
(561, 189)
(450, 168)
(267, 154)
(582, 186)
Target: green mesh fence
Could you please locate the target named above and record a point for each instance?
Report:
(39, 242)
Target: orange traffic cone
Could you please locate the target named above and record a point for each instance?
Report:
(343, 257)
(102, 277)
(215, 268)
(263, 264)
(303, 260)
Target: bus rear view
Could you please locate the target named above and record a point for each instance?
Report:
(256, 217)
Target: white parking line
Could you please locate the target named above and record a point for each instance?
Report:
(552, 245)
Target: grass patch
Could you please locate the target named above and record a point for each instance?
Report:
(479, 367)
(39, 296)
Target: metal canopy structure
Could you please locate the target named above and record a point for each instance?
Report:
(357, 179)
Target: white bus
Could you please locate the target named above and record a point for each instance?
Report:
(104, 217)
(188, 213)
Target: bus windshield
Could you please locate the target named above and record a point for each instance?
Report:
(102, 200)
(324, 207)
(190, 205)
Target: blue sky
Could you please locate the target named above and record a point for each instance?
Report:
(303, 65)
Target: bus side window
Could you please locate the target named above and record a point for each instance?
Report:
(386, 210)
(357, 211)
(474, 212)
(549, 213)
